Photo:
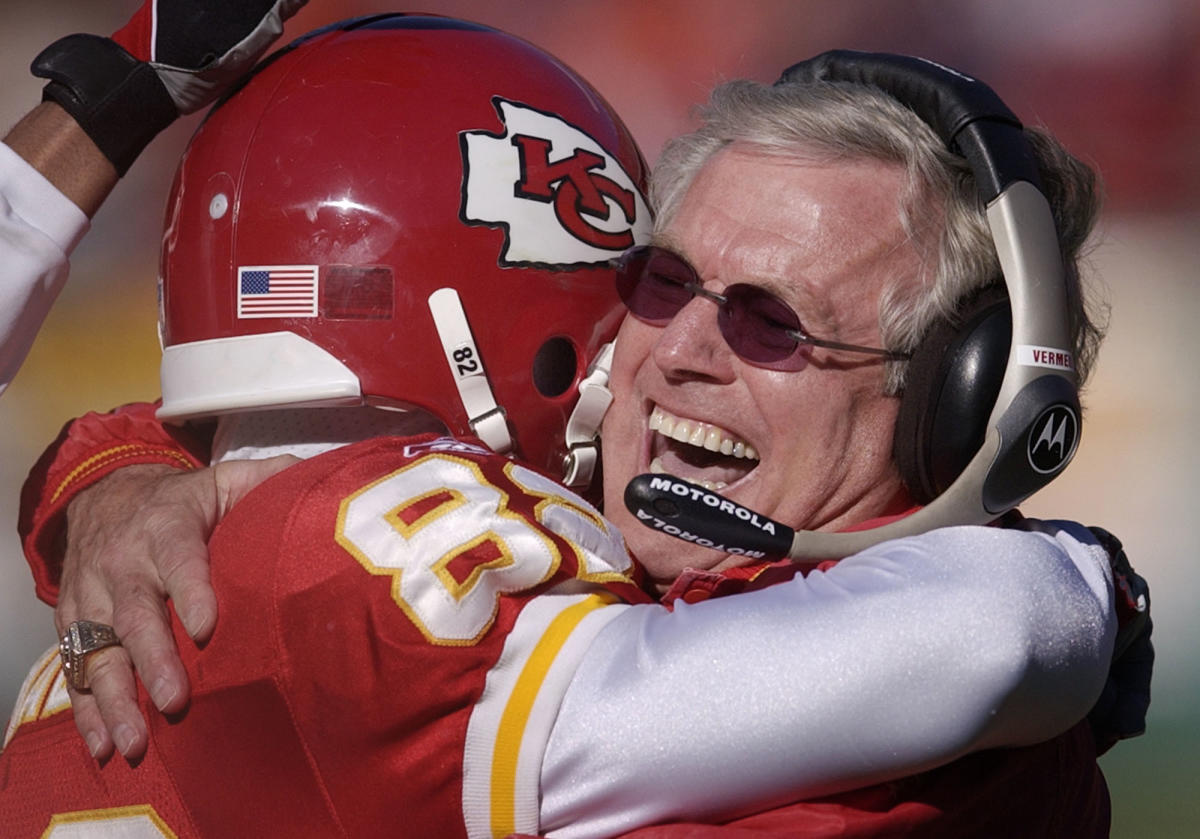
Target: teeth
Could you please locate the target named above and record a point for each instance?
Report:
(700, 434)
(656, 466)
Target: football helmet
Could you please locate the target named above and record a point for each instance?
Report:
(406, 211)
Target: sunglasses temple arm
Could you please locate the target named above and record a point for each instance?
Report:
(835, 345)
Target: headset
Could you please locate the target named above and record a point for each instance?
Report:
(990, 412)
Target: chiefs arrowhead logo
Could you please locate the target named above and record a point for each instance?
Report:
(560, 197)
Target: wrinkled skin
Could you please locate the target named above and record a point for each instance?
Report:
(825, 238)
(138, 535)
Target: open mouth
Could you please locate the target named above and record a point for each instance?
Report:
(699, 452)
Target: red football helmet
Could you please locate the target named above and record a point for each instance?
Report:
(375, 187)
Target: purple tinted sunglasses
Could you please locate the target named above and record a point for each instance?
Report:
(655, 283)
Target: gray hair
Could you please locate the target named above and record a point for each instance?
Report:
(940, 207)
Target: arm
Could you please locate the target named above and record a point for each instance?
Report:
(899, 659)
(107, 98)
(39, 225)
(87, 451)
(115, 518)
(55, 145)
(53, 178)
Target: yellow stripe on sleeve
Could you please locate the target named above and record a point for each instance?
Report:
(520, 703)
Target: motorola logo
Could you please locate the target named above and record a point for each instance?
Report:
(1053, 438)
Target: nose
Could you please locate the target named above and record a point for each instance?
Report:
(690, 346)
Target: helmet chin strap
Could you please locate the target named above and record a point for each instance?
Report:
(583, 427)
(485, 416)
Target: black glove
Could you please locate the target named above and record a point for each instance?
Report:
(172, 58)
(1121, 710)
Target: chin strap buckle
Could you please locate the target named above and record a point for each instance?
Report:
(583, 427)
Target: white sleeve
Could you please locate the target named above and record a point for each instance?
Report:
(898, 659)
(39, 227)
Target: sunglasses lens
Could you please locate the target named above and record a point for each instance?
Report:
(756, 324)
(653, 284)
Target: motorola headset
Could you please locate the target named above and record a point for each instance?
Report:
(990, 412)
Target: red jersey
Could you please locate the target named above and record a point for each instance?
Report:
(398, 621)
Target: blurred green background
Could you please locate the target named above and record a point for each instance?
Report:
(1118, 81)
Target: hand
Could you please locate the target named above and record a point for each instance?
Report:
(1120, 712)
(135, 539)
(198, 50)
(170, 59)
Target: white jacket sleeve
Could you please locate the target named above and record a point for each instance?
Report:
(39, 227)
(899, 659)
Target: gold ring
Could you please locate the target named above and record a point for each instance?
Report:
(81, 639)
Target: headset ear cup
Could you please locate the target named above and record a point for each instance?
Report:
(953, 380)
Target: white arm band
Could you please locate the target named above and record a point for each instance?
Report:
(899, 659)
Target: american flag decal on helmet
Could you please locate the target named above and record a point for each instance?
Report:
(277, 291)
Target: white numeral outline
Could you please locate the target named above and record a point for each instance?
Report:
(397, 526)
(454, 549)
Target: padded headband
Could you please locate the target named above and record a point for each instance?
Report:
(967, 114)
